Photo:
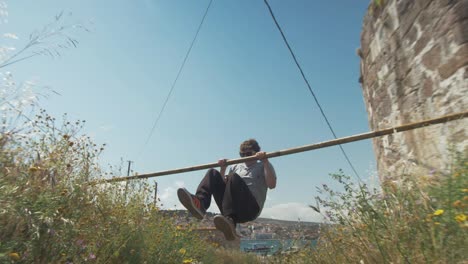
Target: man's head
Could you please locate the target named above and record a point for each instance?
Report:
(249, 148)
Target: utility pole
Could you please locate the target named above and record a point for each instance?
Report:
(129, 164)
(128, 174)
(155, 193)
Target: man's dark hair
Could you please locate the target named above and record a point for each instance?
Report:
(250, 145)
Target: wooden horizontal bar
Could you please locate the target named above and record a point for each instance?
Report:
(290, 151)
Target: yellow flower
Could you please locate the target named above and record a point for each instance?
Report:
(188, 261)
(439, 212)
(14, 256)
(33, 169)
(464, 190)
(457, 203)
(460, 218)
(182, 251)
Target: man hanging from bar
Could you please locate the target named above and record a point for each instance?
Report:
(240, 195)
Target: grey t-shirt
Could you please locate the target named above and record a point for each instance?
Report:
(254, 177)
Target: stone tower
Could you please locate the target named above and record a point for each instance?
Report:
(414, 66)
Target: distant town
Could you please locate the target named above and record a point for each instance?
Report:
(261, 228)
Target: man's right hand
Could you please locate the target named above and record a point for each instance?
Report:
(222, 164)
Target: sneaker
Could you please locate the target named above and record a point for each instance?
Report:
(226, 225)
(191, 202)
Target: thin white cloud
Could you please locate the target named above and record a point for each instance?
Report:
(292, 212)
(10, 35)
(167, 193)
(168, 196)
(105, 128)
(179, 184)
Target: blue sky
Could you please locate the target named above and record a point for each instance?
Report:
(239, 82)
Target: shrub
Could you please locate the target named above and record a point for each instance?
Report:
(421, 220)
(52, 212)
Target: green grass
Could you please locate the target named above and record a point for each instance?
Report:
(423, 219)
(50, 213)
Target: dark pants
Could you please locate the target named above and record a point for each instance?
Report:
(233, 198)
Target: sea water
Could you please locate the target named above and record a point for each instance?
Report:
(276, 245)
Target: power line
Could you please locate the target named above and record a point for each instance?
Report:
(308, 85)
(177, 78)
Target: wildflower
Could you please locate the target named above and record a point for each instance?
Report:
(182, 251)
(457, 203)
(464, 190)
(14, 256)
(460, 218)
(438, 212)
(33, 169)
(187, 261)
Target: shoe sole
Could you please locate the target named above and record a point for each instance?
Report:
(223, 225)
(186, 199)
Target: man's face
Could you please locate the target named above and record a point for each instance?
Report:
(248, 153)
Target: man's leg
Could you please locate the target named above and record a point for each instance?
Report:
(211, 184)
(239, 206)
(238, 202)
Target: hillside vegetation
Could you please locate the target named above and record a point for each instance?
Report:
(51, 212)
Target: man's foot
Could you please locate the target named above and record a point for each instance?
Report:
(225, 224)
(191, 202)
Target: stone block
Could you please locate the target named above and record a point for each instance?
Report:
(431, 59)
(412, 80)
(408, 11)
(457, 61)
(427, 88)
(370, 76)
(445, 23)
(385, 107)
(422, 42)
(409, 102)
(411, 36)
(461, 32)
(426, 19)
(461, 10)
(366, 38)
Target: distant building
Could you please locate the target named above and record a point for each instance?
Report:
(264, 235)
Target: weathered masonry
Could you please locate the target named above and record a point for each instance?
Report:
(414, 66)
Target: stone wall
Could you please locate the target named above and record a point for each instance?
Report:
(414, 66)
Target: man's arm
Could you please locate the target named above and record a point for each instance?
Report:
(270, 174)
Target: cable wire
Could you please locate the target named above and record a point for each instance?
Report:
(310, 89)
(177, 78)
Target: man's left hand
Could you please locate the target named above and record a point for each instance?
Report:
(261, 155)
